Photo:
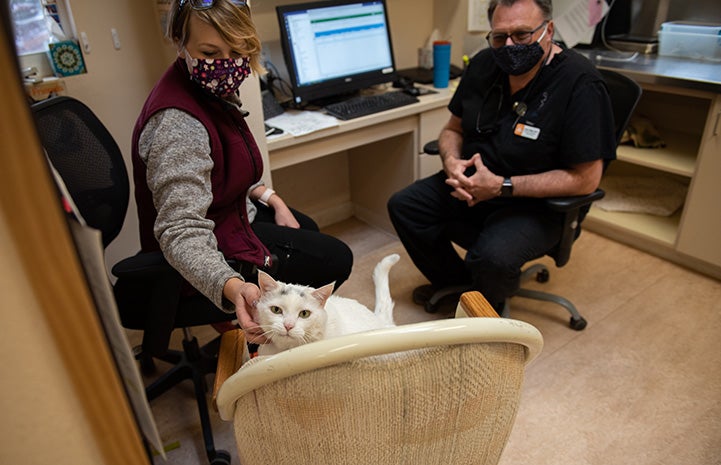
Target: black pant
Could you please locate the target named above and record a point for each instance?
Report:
(499, 236)
(304, 256)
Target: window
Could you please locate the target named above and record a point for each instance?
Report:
(32, 33)
(37, 24)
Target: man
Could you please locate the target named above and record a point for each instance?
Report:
(529, 120)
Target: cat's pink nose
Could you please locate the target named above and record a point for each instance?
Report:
(288, 326)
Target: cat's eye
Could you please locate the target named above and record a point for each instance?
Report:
(304, 313)
(277, 310)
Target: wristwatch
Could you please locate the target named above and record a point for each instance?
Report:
(507, 188)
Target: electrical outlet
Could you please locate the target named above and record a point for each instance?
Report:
(86, 43)
(116, 38)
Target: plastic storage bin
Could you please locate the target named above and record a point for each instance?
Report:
(689, 40)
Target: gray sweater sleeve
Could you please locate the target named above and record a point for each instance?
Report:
(176, 150)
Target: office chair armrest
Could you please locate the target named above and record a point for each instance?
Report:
(147, 264)
(574, 209)
(564, 204)
(142, 265)
(431, 148)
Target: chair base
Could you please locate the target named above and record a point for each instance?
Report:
(432, 305)
(193, 363)
(540, 273)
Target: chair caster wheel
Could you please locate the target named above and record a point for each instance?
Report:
(577, 323)
(430, 308)
(543, 276)
(147, 366)
(221, 458)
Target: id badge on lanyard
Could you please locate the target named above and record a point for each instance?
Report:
(527, 131)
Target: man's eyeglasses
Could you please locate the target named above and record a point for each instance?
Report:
(206, 4)
(499, 39)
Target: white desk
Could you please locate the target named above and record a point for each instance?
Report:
(383, 152)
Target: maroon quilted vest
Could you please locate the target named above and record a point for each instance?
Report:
(236, 158)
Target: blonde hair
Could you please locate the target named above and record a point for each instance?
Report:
(232, 22)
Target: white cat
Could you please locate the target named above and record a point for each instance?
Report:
(292, 315)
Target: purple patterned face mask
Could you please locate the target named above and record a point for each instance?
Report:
(220, 76)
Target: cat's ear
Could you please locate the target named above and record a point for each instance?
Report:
(322, 293)
(265, 282)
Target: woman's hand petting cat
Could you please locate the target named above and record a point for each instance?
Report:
(245, 296)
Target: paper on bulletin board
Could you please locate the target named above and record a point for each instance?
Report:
(576, 19)
(478, 16)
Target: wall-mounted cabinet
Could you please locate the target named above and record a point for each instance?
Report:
(688, 122)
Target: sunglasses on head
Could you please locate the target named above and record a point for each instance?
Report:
(206, 4)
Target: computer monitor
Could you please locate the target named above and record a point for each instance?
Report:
(335, 47)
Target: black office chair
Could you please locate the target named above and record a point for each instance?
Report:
(625, 94)
(148, 290)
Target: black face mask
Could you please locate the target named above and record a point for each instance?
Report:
(517, 59)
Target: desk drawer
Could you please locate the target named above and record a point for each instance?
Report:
(431, 123)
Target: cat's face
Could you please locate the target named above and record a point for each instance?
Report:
(289, 314)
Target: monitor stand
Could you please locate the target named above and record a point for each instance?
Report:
(324, 101)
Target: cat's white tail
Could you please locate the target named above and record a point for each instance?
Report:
(384, 303)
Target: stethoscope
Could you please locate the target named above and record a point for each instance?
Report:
(520, 108)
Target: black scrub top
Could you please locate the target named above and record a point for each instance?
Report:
(568, 118)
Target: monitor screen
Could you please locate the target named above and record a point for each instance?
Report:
(335, 47)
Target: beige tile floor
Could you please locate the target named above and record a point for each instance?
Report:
(640, 385)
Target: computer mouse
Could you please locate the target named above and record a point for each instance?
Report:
(402, 82)
(414, 91)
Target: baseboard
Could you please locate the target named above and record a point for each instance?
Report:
(335, 214)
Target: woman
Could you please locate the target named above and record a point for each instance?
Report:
(197, 170)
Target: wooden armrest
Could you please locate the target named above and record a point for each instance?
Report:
(230, 358)
(475, 305)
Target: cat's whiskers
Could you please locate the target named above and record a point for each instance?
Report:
(267, 333)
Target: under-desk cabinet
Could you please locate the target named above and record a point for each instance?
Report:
(688, 232)
(431, 123)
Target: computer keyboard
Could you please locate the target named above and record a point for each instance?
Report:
(363, 105)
